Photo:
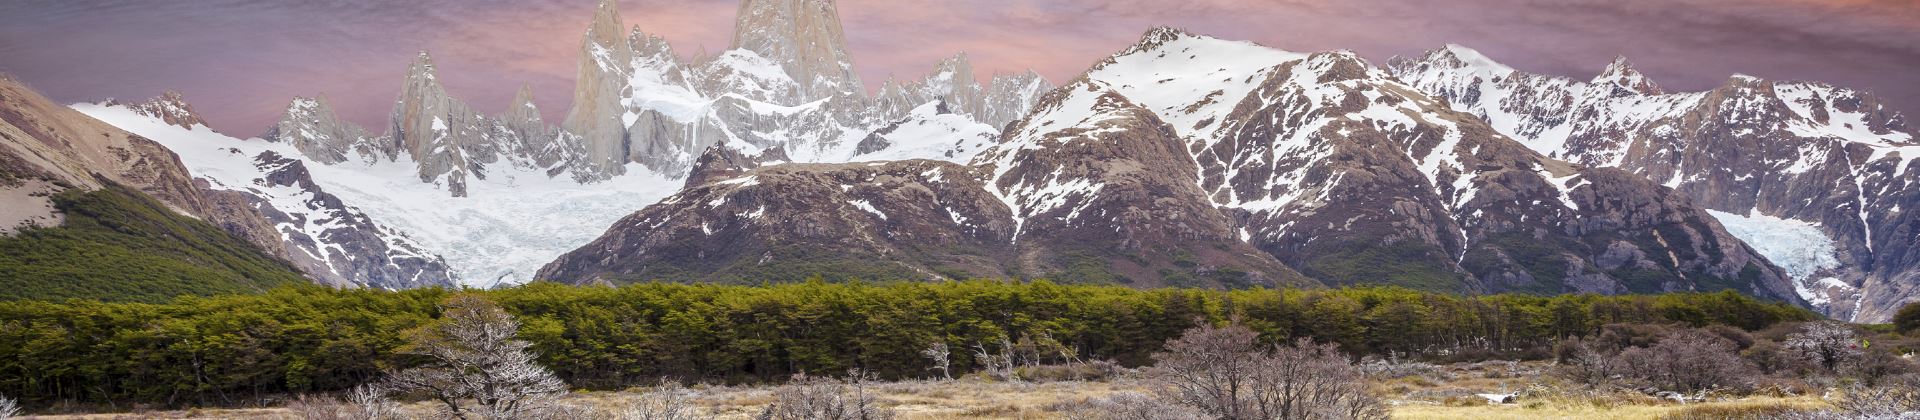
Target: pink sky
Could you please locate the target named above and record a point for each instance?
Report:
(241, 61)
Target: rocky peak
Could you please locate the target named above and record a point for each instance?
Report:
(444, 137)
(1010, 96)
(953, 81)
(649, 46)
(1621, 79)
(723, 161)
(805, 37)
(170, 107)
(598, 96)
(420, 110)
(606, 27)
(1161, 35)
(522, 107)
(311, 126)
(1460, 56)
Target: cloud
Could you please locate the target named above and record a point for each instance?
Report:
(240, 61)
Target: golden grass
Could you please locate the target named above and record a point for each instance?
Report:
(1447, 395)
(1571, 409)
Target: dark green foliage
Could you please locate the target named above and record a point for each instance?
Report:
(1908, 319)
(118, 244)
(1404, 263)
(232, 349)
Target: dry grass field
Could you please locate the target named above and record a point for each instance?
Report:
(1447, 393)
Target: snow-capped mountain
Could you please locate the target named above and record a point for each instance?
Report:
(1814, 176)
(1186, 159)
(788, 82)
(335, 244)
(486, 199)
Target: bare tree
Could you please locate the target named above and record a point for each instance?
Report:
(816, 398)
(1829, 345)
(1586, 364)
(370, 402)
(1226, 373)
(475, 366)
(8, 407)
(668, 402)
(1687, 360)
(942, 359)
(997, 365)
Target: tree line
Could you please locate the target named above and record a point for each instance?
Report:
(242, 349)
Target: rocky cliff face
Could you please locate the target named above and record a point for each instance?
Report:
(805, 38)
(1774, 158)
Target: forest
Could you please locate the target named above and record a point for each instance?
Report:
(238, 349)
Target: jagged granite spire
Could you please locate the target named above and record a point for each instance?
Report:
(953, 81)
(805, 37)
(443, 135)
(597, 109)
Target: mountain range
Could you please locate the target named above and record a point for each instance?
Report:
(1180, 160)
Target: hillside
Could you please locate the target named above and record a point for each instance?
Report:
(117, 244)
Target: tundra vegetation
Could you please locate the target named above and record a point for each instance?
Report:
(820, 350)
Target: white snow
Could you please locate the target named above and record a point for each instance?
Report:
(1798, 247)
(1185, 91)
(864, 205)
(925, 134)
(510, 225)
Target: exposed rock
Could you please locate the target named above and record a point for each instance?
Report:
(598, 95)
(172, 108)
(910, 219)
(805, 38)
(311, 125)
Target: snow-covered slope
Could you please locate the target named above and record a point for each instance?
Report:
(508, 225)
(930, 131)
(497, 196)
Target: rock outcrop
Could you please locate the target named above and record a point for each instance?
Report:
(805, 38)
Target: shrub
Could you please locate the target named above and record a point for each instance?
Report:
(1582, 363)
(1889, 399)
(818, 398)
(1126, 406)
(668, 402)
(1227, 373)
(1875, 366)
(1907, 319)
(8, 407)
(366, 402)
(1686, 360)
(1826, 345)
(1772, 358)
